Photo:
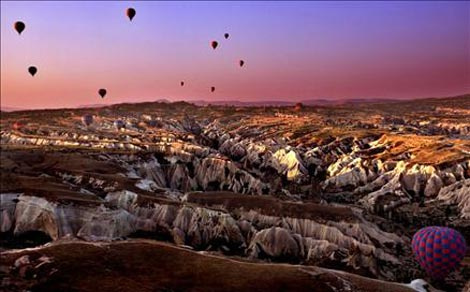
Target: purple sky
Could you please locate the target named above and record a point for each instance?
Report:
(293, 51)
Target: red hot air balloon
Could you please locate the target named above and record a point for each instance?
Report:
(214, 44)
(17, 125)
(32, 70)
(19, 26)
(130, 12)
(212, 89)
(226, 35)
(438, 250)
(102, 92)
(298, 106)
(241, 62)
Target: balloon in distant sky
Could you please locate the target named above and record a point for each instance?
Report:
(87, 119)
(214, 44)
(226, 35)
(182, 83)
(212, 89)
(241, 62)
(438, 250)
(102, 92)
(32, 70)
(19, 26)
(130, 12)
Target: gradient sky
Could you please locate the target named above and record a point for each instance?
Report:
(293, 51)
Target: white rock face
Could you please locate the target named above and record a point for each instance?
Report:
(457, 193)
(7, 210)
(357, 242)
(289, 163)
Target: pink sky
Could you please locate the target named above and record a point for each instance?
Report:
(293, 51)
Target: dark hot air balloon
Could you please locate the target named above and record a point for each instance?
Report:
(87, 119)
(32, 70)
(130, 12)
(241, 62)
(182, 83)
(438, 250)
(226, 35)
(119, 124)
(102, 92)
(212, 89)
(298, 106)
(214, 44)
(19, 26)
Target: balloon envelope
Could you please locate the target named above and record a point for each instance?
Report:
(102, 92)
(241, 62)
(212, 89)
(130, 12)
(214, 44)
(226, 35)
(19, 26)
(32, 70)
(119, 124)
(87, 119)
(438, 250)
(182, 83)
(17, 125)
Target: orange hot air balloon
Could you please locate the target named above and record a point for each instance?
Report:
(102, 92)
(214, 44)
(212, 89)
(226, 35)
(130, 12)
(241, 62)
(19, 26)
(32, 70)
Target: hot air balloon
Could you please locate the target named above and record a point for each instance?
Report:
(19, 26)
(102, 92)
(298, 106)
(87, 119)
(241, 62)
(226, 35)
(17, 126)
(214, 44)
(212, 89)
(438, 250)
(32, 70)
(119, 124)
(182, 83)
(130, 12)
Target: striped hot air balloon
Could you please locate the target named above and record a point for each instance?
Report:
(438, 250)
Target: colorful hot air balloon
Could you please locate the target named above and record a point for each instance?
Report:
(438, 250)
(87, 119)
(130, 12)
(32, 70)
(226, 35)
(212, 89)
(214, 44)
(19, 26)
(241, 62)
(102, 92)
(182, 83)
